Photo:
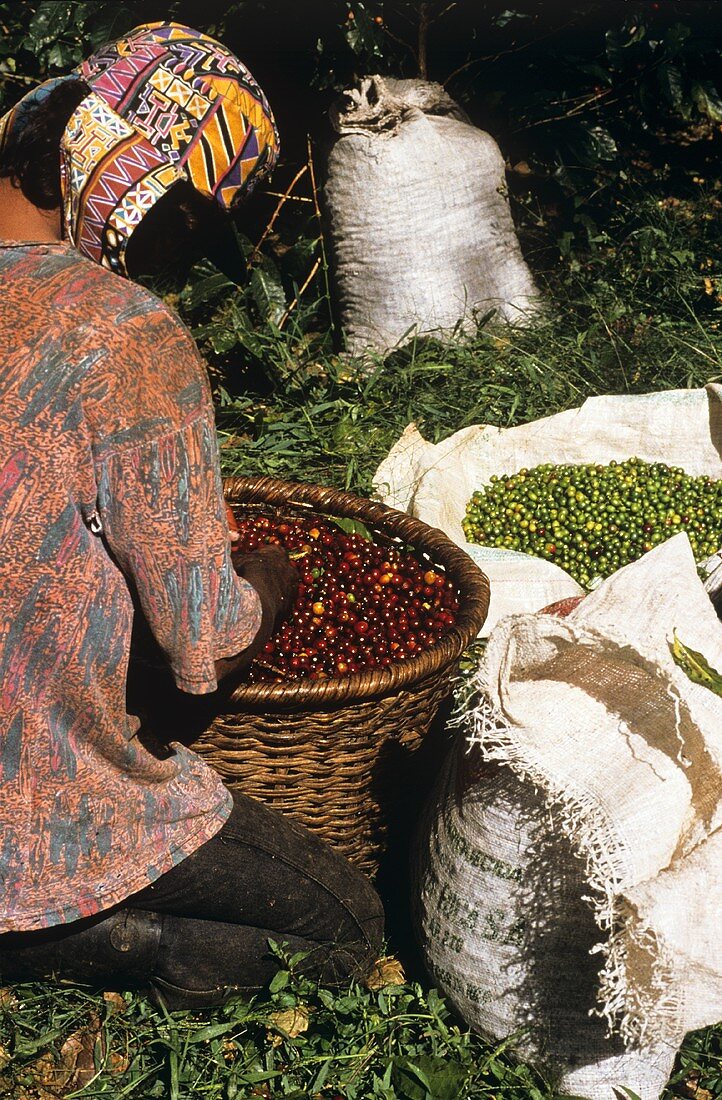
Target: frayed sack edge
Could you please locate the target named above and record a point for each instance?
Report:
(636, 1013)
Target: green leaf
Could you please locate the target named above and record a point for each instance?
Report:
(362, 34)
(624, 1093)
(106, 21)
(696, 666)
(352, 527)
(707, 100)
(207, 290)
(671, 85)
(675, 38)
(211, 1032)
(279, 981)
(506, 16)
(619, 40)
(49, 21)
(603, 143)
(429, 1076)
(410, 1081)
(222, 340)
(267, 291)
(321, 1076)
(600, 73)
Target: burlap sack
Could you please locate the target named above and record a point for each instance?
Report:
(607, 785)
(435, 481)
(507, 932)
(420, 231)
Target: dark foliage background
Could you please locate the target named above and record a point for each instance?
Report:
(568, 89)
(582, 98)
(609, 114)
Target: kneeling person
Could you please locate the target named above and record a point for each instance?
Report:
(124, 860)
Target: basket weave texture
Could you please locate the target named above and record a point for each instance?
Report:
(338, 755)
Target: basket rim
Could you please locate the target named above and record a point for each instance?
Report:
(473, 585)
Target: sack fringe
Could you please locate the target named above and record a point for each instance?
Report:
(628, 1010)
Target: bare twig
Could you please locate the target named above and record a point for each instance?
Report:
(401, 42)
(301, 292)
(321, 237)
(427, 18)
(19, 78)
(503, 53)
(618, 98)
(314, 189)
(571, 113)
(425, 22)
(284, 197)
(445, 11)
(290, 198)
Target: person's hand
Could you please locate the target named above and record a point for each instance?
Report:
(232, 525)
(274, 576)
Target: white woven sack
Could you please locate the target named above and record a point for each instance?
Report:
(507, 932)
(435, 482)
(625, 753)
(421, 235)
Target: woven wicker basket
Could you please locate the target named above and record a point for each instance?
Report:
(338, 754)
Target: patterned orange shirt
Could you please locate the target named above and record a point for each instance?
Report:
(109, 493)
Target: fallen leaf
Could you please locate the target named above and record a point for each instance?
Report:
(691, 1087)
(230, 1050)
(118, 1063)
(115, 1002)
(48, 1073)
(291, 1021)
(76, 1058)
(386, 971)
(57, 1073)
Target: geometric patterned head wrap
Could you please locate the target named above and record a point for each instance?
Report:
(166, 103)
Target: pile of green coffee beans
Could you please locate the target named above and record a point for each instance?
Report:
(590, 519)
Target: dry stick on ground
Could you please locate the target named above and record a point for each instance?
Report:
(284, 198)
(301, 291)
(320, 260)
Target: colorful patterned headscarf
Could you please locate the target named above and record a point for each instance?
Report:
(166, 103)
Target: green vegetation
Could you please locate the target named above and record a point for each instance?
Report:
(296, 1040)
(609, 116)
(634, 305)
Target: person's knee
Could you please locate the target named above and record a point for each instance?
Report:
(369, 913)
(360, 937)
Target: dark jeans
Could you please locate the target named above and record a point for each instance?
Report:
(202, 929)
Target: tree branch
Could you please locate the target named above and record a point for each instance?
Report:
(425, 22)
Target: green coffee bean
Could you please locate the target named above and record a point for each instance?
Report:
(594, 519)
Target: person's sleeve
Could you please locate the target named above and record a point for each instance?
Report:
(161, 507)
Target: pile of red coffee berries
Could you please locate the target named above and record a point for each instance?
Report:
(360, 605)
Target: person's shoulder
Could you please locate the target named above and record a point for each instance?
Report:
(145, 377)
(117, 299)
(128, 319)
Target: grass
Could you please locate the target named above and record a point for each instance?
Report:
(638, 308)
(635, 305)
(398, 1041)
